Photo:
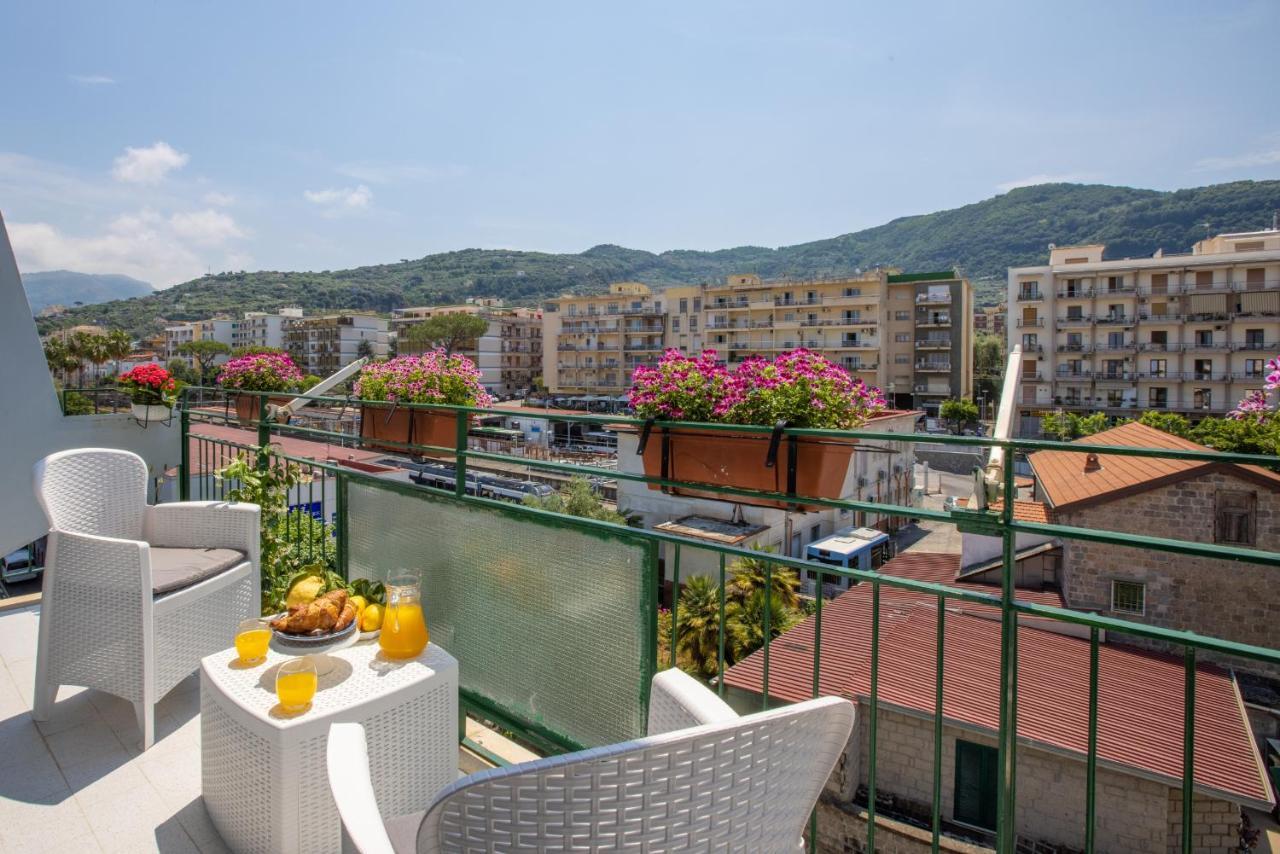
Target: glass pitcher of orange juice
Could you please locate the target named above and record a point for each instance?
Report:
(404, 631)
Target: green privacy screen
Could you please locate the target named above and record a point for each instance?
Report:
(549, 619)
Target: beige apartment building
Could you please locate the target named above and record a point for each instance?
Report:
(911, 335)
(508, 354)
(1188, 332)
(591, 344)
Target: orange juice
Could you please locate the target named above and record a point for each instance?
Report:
(251, 645)
(404, 631)
(295, 690)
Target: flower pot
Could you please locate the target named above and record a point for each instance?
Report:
(407, 426)
(738, 460)
(150, 413)
(248, 407)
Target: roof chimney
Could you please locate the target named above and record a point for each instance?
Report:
(1091, 463)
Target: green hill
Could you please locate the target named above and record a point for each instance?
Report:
(982, 240)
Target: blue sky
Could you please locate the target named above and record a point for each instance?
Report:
(164, 139)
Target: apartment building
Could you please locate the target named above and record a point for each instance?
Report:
(508, 354)
(989, 319)
(322, 345)
(591, 344)
(685, 323)
(215, 329)
(263, 329)
(909, 334)
(1188, 332)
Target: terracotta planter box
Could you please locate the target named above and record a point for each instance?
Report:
(419, 427)
(248, 407)
(738, 459)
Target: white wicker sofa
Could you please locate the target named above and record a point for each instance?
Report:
(134, 594)
(704, 779)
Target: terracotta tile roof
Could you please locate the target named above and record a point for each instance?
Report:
(1024, 510)
(1065, 482)
(1140, 693)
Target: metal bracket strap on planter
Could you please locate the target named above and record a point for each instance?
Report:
(644, 436)
(771, 459)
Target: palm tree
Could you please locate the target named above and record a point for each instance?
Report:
(746, 632)
(80, 346)
(698, 624)
(59, 357)
(753, 573)
(118, 345)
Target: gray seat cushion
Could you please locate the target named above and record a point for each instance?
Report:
(403, 832)
(174, 569)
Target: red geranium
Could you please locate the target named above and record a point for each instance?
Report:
(151, 385)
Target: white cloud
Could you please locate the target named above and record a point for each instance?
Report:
(340, 200)
(148, 165)
(205, 228)
(92, 79)
(374, 172)
(221, 200)
(143, 244)
(1267, 157)
(1042, 178)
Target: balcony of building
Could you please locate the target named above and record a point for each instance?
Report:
(935, 298)
(560, 622)
(1075, 320)
(932, 367)
(933, 320)
(1031, 295)
(1030, 323)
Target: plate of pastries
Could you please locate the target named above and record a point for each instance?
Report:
(327, 618)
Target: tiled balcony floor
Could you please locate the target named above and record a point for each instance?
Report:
(79, 782)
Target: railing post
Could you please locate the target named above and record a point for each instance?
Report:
(342, 526)
(184, 464)
(264, 432)
(460, 455)
(1007, 831)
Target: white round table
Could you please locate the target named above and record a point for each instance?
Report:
(263, 771)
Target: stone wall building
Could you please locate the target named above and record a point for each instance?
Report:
(1199, 502)
(1139, 786)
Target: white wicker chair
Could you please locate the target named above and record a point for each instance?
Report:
(717, 783)
(135, 595)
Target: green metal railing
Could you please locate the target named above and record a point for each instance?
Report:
(205, 406)
(93, 401)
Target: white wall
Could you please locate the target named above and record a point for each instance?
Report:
(31, 422)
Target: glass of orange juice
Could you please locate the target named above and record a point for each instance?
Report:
(252, 638)
(404, 630)
(296, 684)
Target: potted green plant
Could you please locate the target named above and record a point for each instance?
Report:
(433, 377)
(265, 371)
(799, 389)
(152, 392)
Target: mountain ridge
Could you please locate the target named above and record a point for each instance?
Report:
(66, 287)
(981, 239)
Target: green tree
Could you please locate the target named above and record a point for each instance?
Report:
(1238, 436)
(988, 355)
(1169, 422)
(204, 353)
(118, 345)
(452, 332)
(59, 358)
(364, 349)
(747, 630)
(1067, 426)
(750, 574)
(183, 372)
(698, 625)
(577, 498)
(959, 414)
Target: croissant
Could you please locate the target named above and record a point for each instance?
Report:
(320, 615)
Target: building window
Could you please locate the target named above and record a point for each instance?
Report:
(684, 306)
(902, 359)
(1202, 398)
(815, 532)
(1075, 312)
(1235, 511)
(1204, 338)
(975, 794)
(1253, 367)
(902, 315)
(1158, 398)
(902, 336)
(1158, 368)
(697, 304)
(1129, 597)
(675, 324)
(853, 292)
(693, 323)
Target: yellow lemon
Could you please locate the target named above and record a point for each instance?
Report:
(304, 590)
(371, 619)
